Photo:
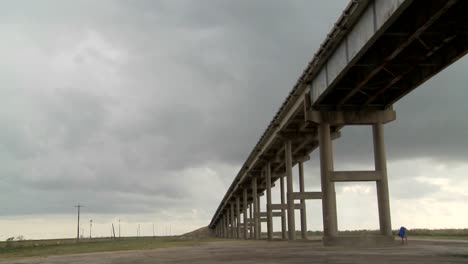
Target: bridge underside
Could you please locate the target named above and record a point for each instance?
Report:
(421, 38)
(427, 37)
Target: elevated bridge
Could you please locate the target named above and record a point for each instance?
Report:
(377, 52)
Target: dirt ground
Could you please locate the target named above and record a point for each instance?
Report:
(274, 252)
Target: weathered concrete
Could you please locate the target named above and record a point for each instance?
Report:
(289, 187)
(245, 214)
(330, 225)
(303, 208)
(231, 219)
(247, 252)
(238, 218)
(257, 217)
(268, 202)
(283, 212)
(382, 185)
(251, 235)
(255, 208)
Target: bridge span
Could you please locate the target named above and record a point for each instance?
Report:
(377, 52)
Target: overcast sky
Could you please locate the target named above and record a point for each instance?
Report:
(145, 111)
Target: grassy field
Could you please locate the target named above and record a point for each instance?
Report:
(30, 248)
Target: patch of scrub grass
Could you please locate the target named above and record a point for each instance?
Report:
(21, 249)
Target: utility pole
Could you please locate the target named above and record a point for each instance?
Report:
(90, 226)
(119, 228)
(78, 226)
(113, 231)
(153, 230)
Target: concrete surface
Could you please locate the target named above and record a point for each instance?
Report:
(424, 252)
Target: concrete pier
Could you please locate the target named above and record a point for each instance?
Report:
(251, 232)
(303, 204)
(232, 221)
(255, 208)
(382, 185)
(289, 186)
(268, 202)
(238, 218)
(330, 222)
(283, 211)
(245, 207)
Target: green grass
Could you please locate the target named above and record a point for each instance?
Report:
(34, 248)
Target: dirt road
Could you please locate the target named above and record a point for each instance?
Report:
(424, 252)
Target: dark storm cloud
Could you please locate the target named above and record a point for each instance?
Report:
(131, 106)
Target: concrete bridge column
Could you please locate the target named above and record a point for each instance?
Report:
(289, 186)
(225, 233)
(268, 202)
(382, 185)
(232, 221)
(238, 218)
(227, 223)
(257, 216)
(303, 205)
(246, 226)
(283, 212)
(255, 208)
(330, 222)
(251, 233)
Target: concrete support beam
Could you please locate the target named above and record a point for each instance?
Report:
(346, 176)
(238, 218)
(306, 195)
(289, 186)
(245, 214)
(283, 211)
(382, 185)
(255, 207)
(269, 215)
(330, 222)
(273, 214)
(303, 205)
(285, 206)
(351, 117)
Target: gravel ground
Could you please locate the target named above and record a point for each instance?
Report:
(424, 252)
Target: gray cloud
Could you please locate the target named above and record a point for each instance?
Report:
(133, 107)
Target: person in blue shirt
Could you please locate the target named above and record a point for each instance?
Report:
(403, 233)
